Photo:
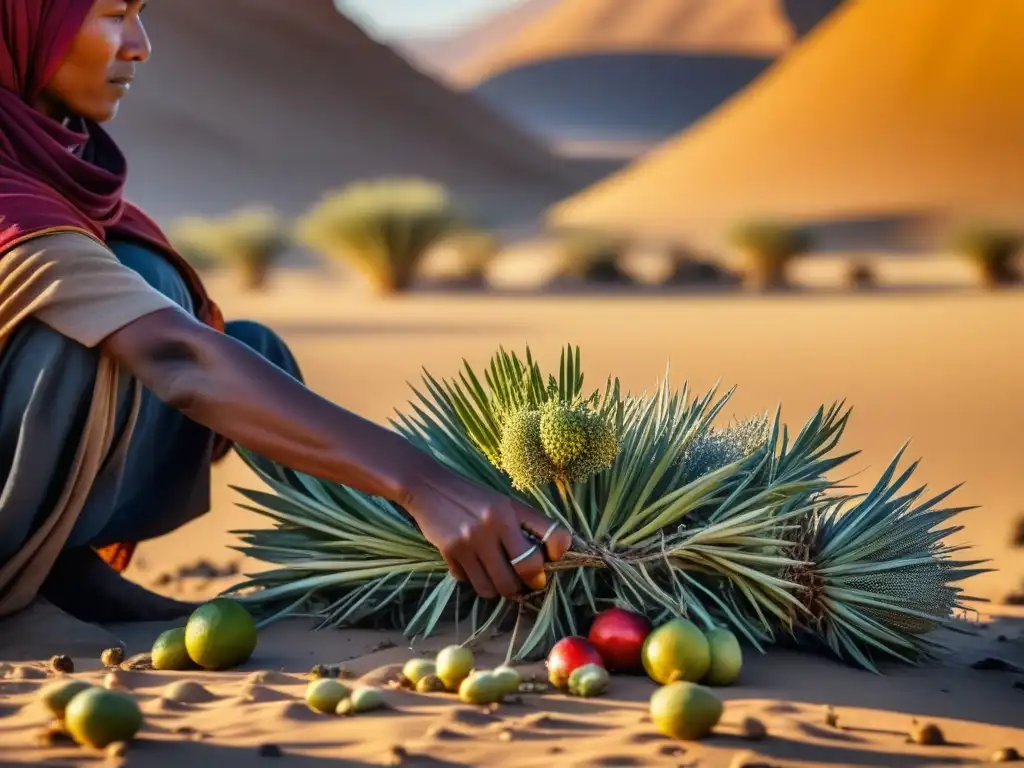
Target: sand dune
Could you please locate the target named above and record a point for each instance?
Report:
(445, 54)
(303, 101)
(936, 367)
(586, 27)
(886, 109)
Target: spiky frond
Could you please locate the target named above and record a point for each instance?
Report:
(878, 577)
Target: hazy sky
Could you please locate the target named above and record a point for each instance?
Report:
(420, 16)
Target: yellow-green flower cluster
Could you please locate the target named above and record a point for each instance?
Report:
(557, 442)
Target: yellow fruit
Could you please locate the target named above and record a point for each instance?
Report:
(169, 652)
(416, 669)
(509, 678)
(220, 635)
(363, 699)
(481, 688)
(588, 681)
(685, 710)
(324, 695)
(57, 696)
(97, 717)
(430, 684)
(726, 657)
(676, 651)
(454, 664)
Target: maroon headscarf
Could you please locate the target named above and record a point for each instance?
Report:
(55, 177)
(59, 177)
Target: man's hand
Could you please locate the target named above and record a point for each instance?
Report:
(480, 533)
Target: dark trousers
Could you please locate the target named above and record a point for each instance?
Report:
(46, 384)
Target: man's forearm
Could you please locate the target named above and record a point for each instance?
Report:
(222, 384)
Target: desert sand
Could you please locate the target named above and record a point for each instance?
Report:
(938, 366)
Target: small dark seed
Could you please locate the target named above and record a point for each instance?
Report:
(112, 657)
(62, 664)
(753, 729)
(927, 734)
(269, 750)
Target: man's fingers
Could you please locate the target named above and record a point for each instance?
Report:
(526, 558)
(455, 569)
(478, 577)
(496, 561)
(556, 539)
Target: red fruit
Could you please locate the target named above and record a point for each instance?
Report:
(619, 635)
(567, 655)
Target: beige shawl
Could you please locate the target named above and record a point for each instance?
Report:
(75, 285)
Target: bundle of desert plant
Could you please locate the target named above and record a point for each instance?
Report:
(591, 257)
(768, 248)
(992, 251)
(671, 514)
(383, 228)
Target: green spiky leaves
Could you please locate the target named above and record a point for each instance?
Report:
(878, 577)
(738, 525)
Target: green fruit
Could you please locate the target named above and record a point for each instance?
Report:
(685, 710)
(416, 669)
(509, 678)
(675, 651)
(324, 695)
(481, 688)
(56, 696)
(726, 657)
(588, 681)
(220, 635)
(363, 699)
(97, 717)
(453, 665)
(169, 652)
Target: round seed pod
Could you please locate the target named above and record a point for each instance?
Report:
(416, 669)
(588, 681)
(363, 699)
(481, 688)
(324, 694)
(453, 665)
(430, 684)
(509, 678)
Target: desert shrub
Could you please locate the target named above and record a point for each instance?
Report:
(382, 228)
(464, 256)
(591, 257)
(193, 238)
(768, 249)
(251, 239)
(992, 251)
